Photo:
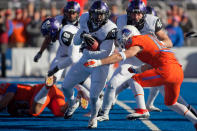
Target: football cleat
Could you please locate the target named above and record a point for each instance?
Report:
(138, 114)
(84, 103)
(50, 81)
(103, 118)
(92, 123)
(192, 110)
(100, 113)
(153, 108)
(70, 110)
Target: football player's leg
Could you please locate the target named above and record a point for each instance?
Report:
(75, 75)
(98, 80)
(123, 71)
(148, 78)
(172, 90)
(153, 92)
(171, 96)
(37, 108)
(57, 103)
(141, 111)
(117, 80)
(41, 96)
(190, 107)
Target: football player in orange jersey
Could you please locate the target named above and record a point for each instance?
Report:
(20, 99)
(166, 71)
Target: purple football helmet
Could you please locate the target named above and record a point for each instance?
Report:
(51, 27)
(136, 7)
(71, 8)
(45, 27)
(99, 13)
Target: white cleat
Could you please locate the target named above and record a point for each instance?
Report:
(103, 118)
(92, 123)
(153, 108)
(70, 110)
(139, 114)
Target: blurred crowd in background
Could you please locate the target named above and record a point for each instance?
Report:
(20, 20)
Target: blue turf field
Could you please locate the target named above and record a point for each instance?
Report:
(166, 120)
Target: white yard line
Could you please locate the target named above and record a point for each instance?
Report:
(147, 122)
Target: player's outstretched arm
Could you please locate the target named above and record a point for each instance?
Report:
(116, 57)
(45, 43)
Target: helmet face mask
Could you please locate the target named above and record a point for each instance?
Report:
(98, 13)
(136, 7)
(71, 11)
(98, 18)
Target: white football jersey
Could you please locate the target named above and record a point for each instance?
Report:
(66, 42)
(105, 32)
(149, 25)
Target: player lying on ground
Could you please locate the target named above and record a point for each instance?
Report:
(20, 99)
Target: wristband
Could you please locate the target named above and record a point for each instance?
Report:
(123, 55)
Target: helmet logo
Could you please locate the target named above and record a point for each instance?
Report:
(126, 33)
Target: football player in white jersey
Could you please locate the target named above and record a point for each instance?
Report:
(66, 55)
(70, 16)
(146, 24)
(95, 26)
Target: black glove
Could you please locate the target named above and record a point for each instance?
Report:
(38, 56)
(83, 46)
(53, 71)
(87, 38)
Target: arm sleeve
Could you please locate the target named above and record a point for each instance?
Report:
(106, 48)
(73, 57)
(158, 25)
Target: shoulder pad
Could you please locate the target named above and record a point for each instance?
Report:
(112, 34)
(158, 25)
(67, 37)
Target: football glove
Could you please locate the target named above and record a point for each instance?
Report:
(93, 63)
(37, 56)
(91, 42)
(53, 71)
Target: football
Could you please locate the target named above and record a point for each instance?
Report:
(94, 46)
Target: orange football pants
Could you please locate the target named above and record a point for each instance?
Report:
(55, 102)
(171, 76)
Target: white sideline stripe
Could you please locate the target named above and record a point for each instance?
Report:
(148, 123)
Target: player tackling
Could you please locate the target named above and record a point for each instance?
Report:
(166, 71)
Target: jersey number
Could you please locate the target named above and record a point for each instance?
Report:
(67, 38)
